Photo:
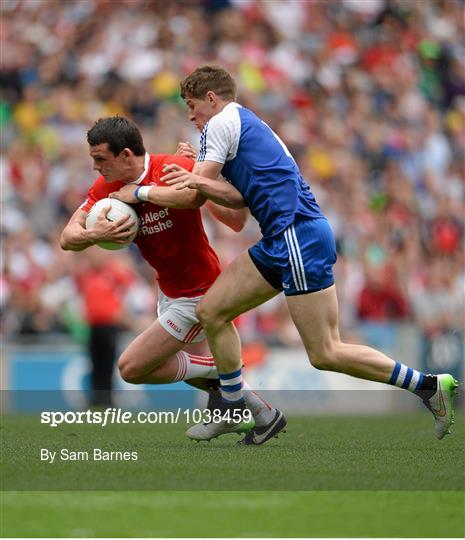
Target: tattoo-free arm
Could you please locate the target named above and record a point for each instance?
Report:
(173, 198)
(166, 196)
(75, 236)
(235, 219)
(204, 178)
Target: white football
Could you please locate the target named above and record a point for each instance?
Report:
(118, 210)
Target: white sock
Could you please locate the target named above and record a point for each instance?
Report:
(262, 411)
(191, 366)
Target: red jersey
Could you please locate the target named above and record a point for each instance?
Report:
(173, 241)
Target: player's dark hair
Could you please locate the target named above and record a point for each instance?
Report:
(119, 133)
(206, 78)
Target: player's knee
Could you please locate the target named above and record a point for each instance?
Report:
(324, 358)
(128, 370)
(212, 318)
(206, 316)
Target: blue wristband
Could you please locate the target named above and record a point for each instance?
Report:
(142, 193)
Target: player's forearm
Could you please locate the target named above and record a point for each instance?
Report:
(234, 218)
(172, 198)
(220, 192)
(76, 238)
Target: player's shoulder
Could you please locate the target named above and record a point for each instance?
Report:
(229, 115)
(160, 160)
(224, 126)
(101, 188)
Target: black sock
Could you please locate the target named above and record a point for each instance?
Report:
(428, 387)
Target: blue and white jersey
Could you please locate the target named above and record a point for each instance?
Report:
(260, 166)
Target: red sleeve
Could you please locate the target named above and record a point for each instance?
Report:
(99, 190)
(182, 161)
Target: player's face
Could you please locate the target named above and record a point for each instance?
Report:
(200, 111)
(111, 167)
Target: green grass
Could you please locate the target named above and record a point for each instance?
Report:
(241, 514)
(337, 476)
(334, 453)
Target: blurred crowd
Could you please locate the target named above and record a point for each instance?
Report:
(369, 95)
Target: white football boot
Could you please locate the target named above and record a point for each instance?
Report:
(212, 430)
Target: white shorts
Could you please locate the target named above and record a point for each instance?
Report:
(177, 317)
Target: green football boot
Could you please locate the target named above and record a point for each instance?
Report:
(441, 404)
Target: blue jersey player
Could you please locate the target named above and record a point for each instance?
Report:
(296, 254)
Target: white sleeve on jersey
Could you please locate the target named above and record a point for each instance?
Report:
(220, 138)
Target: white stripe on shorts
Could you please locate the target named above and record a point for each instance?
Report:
(289, 249)
(299, 255)
(294, 259)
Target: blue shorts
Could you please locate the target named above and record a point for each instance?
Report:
(300, 259)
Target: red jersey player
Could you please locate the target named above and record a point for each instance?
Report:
(173, 242)
(172, 239)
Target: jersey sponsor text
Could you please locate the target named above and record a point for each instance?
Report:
(150, 222)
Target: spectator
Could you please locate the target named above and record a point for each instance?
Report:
(369, 96)
(380, 300)
(102, 282)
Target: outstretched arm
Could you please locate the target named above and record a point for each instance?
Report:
(162, 196)
(205, 179)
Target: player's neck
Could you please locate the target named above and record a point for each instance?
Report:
(137, 169)
(222, 104)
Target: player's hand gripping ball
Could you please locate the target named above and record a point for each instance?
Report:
(117, 211)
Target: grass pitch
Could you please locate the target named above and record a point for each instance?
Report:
(233, 514)
(354, 476)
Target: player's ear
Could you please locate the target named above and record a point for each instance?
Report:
(126, 153)
(211, 97)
